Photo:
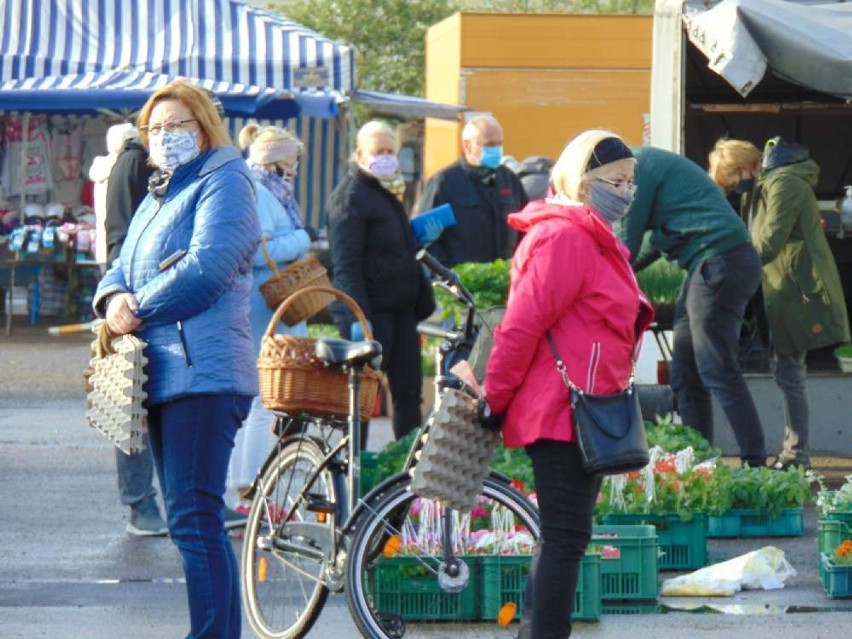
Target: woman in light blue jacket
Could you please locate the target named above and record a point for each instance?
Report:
(182, 284)
(273, 159)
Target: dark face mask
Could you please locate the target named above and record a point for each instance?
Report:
(279, 171)
(744, 186)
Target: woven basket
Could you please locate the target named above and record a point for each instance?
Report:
(300, 274)
(294, 380)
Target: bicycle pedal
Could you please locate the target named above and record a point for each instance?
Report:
(319, 504)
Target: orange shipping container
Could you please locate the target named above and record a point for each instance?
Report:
(545, 77)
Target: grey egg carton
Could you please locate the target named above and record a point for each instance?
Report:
(116, 394)
(454, 460)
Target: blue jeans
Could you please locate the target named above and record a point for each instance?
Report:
(135, 475)
(792, 378)
(707, 323)
(566, 500)
(191, 439)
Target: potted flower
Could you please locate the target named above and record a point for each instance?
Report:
(843, 353)
(758, 502)
(661, 283)
(836, 570)
(671, 493)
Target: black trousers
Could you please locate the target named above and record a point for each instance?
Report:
(397, 333)
(566, 501)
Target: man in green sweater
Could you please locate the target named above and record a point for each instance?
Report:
(680, 214)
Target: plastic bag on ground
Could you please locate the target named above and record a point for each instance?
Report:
(765, 569)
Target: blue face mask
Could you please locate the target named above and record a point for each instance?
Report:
(491, 156)
(171, 149)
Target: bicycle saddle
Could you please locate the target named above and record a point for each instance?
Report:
(341, 351)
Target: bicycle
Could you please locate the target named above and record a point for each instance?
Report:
(304, 540)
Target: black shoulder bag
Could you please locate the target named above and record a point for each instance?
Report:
(610, 430)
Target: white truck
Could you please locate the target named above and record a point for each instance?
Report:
(754, 69)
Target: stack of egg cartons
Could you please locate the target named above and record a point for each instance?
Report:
(454, 460)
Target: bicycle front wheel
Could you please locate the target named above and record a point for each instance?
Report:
(402, 581)
(286, 544)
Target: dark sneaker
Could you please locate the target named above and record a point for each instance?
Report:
(234, 518)
(145, 520)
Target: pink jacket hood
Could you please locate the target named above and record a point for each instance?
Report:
(570, 276)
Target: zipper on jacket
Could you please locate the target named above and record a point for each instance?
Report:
(183, 344)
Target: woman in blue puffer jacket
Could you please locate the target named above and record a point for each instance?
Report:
(273, 160)
(182, 284)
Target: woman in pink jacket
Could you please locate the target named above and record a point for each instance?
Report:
(570, 276)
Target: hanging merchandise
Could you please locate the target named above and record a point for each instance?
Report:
(26, 164)
(66, 150)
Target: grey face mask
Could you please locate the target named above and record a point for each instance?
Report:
(611, 204)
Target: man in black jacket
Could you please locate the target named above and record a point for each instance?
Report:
(127, 186)
(482, 194)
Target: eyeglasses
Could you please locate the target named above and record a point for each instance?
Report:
(169, 127)
(627, 185)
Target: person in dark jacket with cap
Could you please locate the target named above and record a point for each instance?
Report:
(372, 255)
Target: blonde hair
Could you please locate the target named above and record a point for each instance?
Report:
(269, 144)
(198, 100)
(728, 158)
(569, 173)
(372, 130)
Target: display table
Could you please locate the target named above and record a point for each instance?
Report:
(33, 266)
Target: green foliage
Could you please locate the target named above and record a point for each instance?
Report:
(765, 490)
(390, 461)
(516, 465)
(673, 437)
(488, 283)
(844, 350)
(661, 282)
(322, 330)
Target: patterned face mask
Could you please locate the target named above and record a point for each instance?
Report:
(171, 149)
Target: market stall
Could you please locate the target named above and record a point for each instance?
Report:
(73, 69)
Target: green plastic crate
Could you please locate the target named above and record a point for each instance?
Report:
(368, 471)
(633, 574)
(746, 522)
(403, 586)
(830, 534)
(844, 516)
(504, 579)
(837, 580)
(683, 544)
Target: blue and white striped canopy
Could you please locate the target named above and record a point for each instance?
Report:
(112, 53)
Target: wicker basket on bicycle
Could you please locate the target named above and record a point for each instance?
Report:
(299, 275)
(294, 380)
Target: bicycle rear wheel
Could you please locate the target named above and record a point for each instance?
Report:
(284, 565)
(399, 583)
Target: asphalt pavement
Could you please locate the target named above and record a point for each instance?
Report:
(69, 570)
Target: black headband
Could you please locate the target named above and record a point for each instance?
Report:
(606, 151)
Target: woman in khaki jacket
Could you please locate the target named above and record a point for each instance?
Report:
(802, 293)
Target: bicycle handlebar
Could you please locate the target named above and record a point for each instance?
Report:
(447, 277)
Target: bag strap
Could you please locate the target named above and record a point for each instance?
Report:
(563, 370)
(560, 365)
(269, 261)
